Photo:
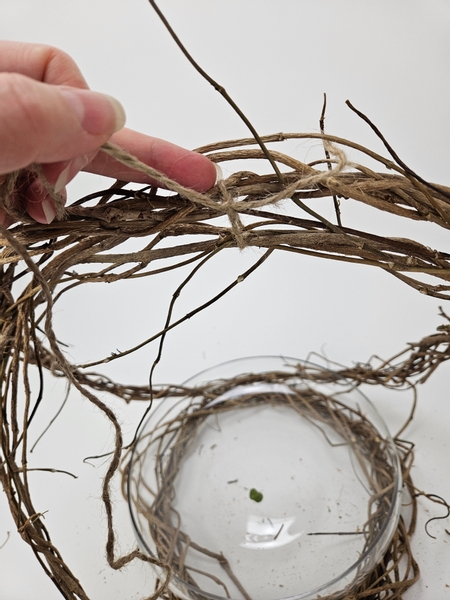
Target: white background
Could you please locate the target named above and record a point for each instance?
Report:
(390, 58)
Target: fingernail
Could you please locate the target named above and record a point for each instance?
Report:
(97, 113)
(219, 176)
(69, 172)
(48, 209)
(40, 205)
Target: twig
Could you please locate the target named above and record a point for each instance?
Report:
(218, 88)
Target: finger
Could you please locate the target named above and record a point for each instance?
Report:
(35, 198)
(41, 123)
(52, 66)
(43, 63)
(188, 168)
(59, 174)
(30, 196)
(39, 204)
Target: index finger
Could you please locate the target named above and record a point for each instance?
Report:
(189, 168)
(40, 62)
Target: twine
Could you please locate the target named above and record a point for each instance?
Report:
(10, 187)
(232, 206)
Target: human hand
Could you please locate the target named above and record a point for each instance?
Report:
(48, 116)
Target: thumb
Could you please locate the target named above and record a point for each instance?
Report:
(43, 123)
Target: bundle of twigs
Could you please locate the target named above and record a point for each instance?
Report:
(180, 227)
(39, 264)
(246, 195)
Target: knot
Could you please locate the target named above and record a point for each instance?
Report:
(237, 227)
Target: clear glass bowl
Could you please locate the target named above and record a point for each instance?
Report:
(260, 480)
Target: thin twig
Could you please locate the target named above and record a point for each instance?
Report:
(222, 91)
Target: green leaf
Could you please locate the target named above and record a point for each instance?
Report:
(255, 495)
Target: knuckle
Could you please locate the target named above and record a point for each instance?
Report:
(59, 67)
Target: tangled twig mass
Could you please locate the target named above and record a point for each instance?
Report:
(178, 227)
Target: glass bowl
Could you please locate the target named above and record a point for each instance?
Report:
(265, 478)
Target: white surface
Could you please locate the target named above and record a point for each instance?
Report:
(276, 59)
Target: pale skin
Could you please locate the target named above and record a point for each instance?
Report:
(48, 116)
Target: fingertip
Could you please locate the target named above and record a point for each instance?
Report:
(39, 204)
(43, 123)
(196, 171)
(190, 169)
(97, 113)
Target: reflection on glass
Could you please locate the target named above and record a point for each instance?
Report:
(265, 533)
